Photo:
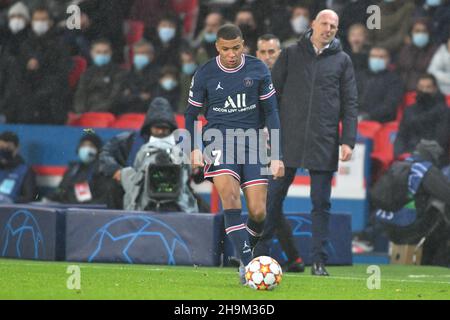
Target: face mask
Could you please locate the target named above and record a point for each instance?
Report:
(300, 24)
(140, 61)
(6, 155)
(425, 98)
(433, 3)
(166, 34)
(87, 154)
(377, 64)
(168, 84)
(189, 68)
(210, 37)
(16, 25)
(389, 1)
(40, 27)
(101, 59)
(420, 39)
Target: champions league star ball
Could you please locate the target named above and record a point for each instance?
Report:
(263, 273)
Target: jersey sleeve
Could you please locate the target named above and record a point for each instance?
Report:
(197, 91)
(266, 88)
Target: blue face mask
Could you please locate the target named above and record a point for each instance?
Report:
(189, 68)
(377, 64)
(168, 84)
(87, 154)
(166, 34)
(101, 59)
(140, 61)
(420, 39)
(433, 3)
(210, 37)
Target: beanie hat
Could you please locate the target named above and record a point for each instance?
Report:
(19, 9)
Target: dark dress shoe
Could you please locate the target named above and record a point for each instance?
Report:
(318, 269)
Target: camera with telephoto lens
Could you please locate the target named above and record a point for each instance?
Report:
(164, 178)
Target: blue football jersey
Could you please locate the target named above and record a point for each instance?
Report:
(232, 97)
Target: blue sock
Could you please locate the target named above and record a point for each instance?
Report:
(238, 235)
(254, 230)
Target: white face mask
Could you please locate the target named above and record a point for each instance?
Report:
(300, 24)
(16, 25)
(40, 27)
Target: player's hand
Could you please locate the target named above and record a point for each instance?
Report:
(196, 159)
(277, 168)
(346, 153)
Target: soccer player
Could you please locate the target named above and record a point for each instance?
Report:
(237, 92)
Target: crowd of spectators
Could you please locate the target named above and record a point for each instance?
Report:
(141, 49)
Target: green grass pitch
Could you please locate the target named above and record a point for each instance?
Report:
(48, 280)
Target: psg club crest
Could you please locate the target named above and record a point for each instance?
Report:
(248, 82)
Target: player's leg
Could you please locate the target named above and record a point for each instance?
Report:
(228, 189)
(277, 191)
(256, 197)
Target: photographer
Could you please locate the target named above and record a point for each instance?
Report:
(413, 198)
(121, 151)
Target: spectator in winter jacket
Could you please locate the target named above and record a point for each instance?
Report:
(17, 180)
(41, 83)
(380, 89)
(428, 118)
(414, 58)
(99, 86)
(440, 67)
(18, 29)
(140, 82)
(82, 182)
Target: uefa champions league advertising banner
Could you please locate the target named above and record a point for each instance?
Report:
(98, 235)
(142, 237)
(27, 232)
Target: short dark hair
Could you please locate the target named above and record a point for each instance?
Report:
(268, 37)
(101, 41)
(9, 136)
(229, 32)
(428, 76)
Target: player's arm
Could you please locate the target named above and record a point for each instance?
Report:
(197, 94)
(268, 102)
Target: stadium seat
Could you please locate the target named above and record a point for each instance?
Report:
(134, 31)
(96, 119)
(129, 121)
(79, 67)
(448, 100)
(383, 146)
(368, 129)
(180, 120)
(188, 9)
(408, 100)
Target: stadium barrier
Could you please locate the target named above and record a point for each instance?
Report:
(98, 235)
(339, 247)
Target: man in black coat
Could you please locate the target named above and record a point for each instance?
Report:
(380, 89)
(315, 84)
(427, 119)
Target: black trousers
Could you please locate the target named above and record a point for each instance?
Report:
(320, 214)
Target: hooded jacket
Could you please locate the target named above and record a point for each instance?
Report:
(121, 150)
(315, 92)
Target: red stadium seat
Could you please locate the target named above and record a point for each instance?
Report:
(129, 121)
(448, 100)
(368, 129)
(73, 119)
(79, 67)
(383, 146)
(96, 119)
(134, 31)
(181, 124)
(408, 100)
(188, 9)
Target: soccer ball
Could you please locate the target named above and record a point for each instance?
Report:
(263, 273)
